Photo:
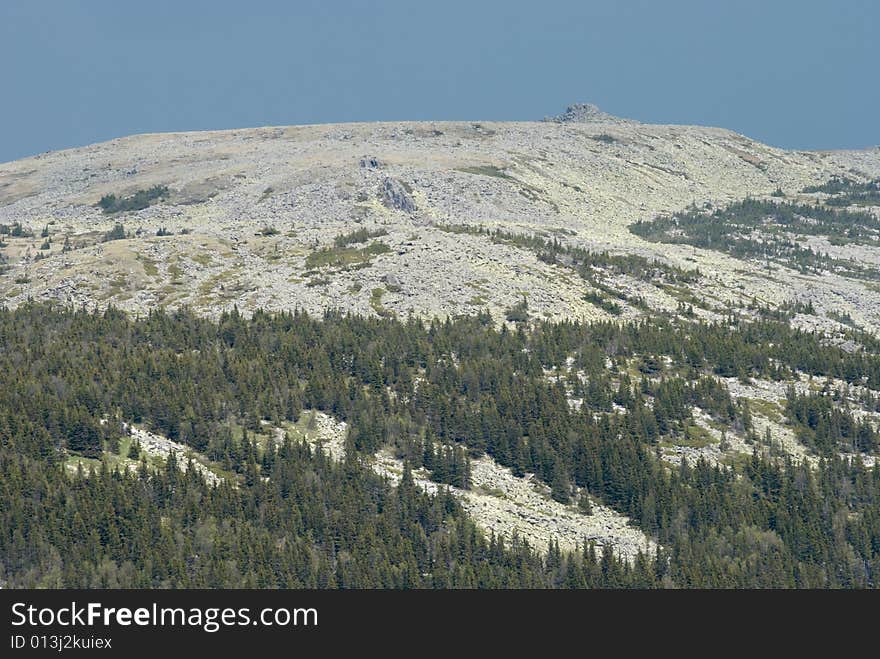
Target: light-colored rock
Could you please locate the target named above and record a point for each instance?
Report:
(566, 180)
(504, 504)
(162, 447)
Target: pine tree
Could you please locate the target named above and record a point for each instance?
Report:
(584, 503)
(560, 488)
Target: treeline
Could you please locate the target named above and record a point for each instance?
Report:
(437, 394)
(762, 229)
(825, 423)
(847, 192)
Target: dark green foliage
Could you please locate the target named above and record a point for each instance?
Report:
(847, 192)
(134, 451)
(584, 504)
(15, 231)
(357, 236)
(825, 422)
(604, 303)
(841, 317)
(139, 200)
(763, 230)
(448, 464)
(116, 233)
(84, 437)
(519, 312)
(438, 394)
(560, 485)
(834, 185)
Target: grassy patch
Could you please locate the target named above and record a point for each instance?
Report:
(149, 266)
(212, 285)
(492, 492)
(337, 257)
(478, 285)
(376, 302)
(175, 272)
(694, 437)
(357, 236)
(486, 170)
(201, 258)
(767, 409)
(117, 285)
(527, 190)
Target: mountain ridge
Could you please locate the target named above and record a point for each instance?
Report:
(582, 183)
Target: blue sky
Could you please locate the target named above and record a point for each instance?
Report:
(794, 74)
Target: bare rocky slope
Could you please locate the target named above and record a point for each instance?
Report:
(259, 204)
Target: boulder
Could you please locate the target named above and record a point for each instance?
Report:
(394, 194)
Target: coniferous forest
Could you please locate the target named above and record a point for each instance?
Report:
(439, 393)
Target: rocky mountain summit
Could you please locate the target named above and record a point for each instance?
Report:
(311, 216)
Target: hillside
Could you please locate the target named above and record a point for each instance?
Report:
(260, 204)
(584, 351)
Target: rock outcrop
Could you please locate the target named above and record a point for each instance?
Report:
(394, 194)
(586, 113)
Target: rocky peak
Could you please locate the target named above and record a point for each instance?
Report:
(395, 194)
(585, 113)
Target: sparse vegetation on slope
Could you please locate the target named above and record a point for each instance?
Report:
(770, 231)
(141, 199)
(337, 257)
(361, 235)
(847, 192)
(589, 264)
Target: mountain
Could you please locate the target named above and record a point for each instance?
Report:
(260, 205)
(584, 351)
